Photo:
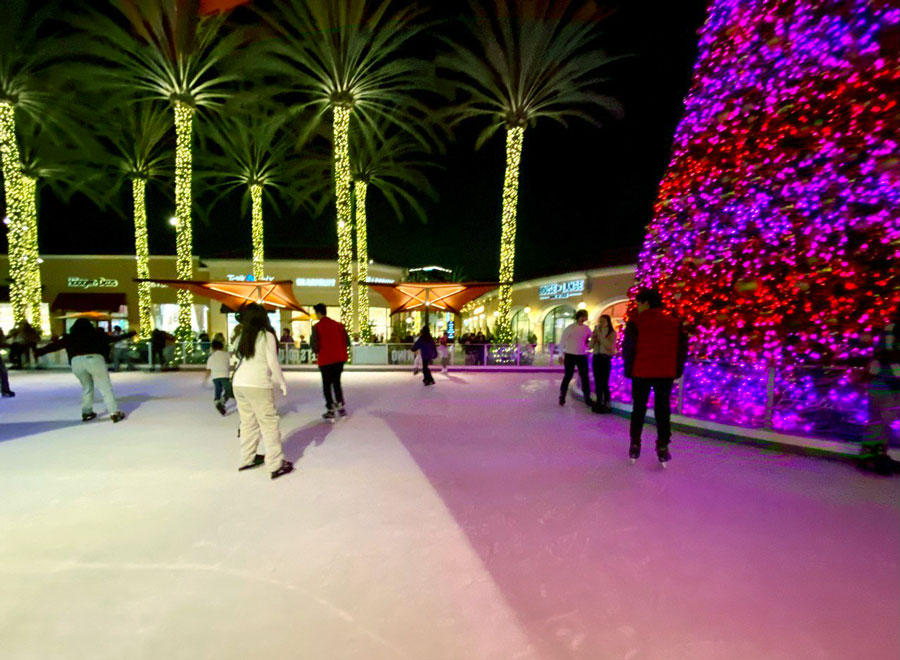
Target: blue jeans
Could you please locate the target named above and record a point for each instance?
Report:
(222, 390)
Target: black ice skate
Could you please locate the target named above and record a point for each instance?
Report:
(220, 406)
(330, 414)
(86, 417)
(634, 451)
(286, 467)
(258, 460)
(342, 411)
(562, 399)
(117, 417)
(663, 455)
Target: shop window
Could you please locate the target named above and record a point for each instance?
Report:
(555, 322)
(165, 317)
(521, 326)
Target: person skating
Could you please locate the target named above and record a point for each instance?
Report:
(654, 351)
(218, 367)
(603, 343)
(428, 351)
(87, 348)
(256, 373)
(883, 385)
(574, 355)
(330, 342)
(158, 341)
(4, 374)
(444, 352)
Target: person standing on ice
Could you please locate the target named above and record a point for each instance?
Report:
(87, 348)
(603, 343)
(426, 349)
(444, 351)
(574, 347)
(654, 351)
(330, 342)
(218, 367)
(254, 376)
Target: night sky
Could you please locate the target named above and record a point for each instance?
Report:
(585, 194)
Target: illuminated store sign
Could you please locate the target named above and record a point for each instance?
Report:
(247, 278)
(379, 280)
(559, 290)
(315, 281)
(97, 283)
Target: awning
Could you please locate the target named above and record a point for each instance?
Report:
(88, 302)
(431, 296)
(272, 296)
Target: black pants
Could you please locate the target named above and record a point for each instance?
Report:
(602, 365)
(570, 362)
(331, 381)
(158, 357)
(426, 372)
(662, 408)
(4, 378)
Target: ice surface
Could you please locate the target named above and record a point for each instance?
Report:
(476, 520)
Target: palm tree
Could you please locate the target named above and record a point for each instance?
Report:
(167, 52)
(529, 60)
(132, 148)
(255, 157)
(24, 57)
(393, 166)
(345, 56)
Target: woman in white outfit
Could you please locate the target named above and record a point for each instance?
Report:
(257, 371)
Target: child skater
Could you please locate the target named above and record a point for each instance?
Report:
(218, 366)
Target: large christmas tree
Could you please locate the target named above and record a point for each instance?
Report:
(776, 234)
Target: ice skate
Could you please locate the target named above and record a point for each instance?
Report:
(634, 451)
(664, 456)
(286, 468)
(220, 406)
(8, 394)
(562, 399)
(342, 411)
(329, 415)
(258, 460)
(86, 417)
(117, 417)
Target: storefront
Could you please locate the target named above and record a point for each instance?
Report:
(542, 308)
(74, 284)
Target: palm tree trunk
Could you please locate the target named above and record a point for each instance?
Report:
(184, 263)
(142, 256)
(17, 229)
(256, 222)
(344, 218)
(514, 135)
(362, 261)
(29, 213)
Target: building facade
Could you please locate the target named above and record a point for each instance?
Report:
(105, 283)
(542, 308)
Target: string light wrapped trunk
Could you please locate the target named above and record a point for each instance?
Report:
(514, 137)
(184, 266)
(142, 256)
(33, 287)
(16, 226)
(342, 183)
(360, 188)
(256, 222)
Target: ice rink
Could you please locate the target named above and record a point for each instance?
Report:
(476, 520)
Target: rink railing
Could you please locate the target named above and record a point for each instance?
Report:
(812, 401)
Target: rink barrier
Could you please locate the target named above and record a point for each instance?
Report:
(793, 407)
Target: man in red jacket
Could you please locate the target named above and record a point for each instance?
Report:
(654, 351)
(330, 342)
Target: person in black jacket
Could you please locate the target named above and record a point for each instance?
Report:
(87, 347)
(428, 351)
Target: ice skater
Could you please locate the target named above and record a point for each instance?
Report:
(218, 367)
(883, 385)
(330, 342)
(428, 352)
(444, 352)
(574, 355)
(4, 374)
(87, 348)
(256, 373)
(654, 351)
(603, 343)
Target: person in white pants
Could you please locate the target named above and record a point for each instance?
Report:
(257, 370)
(91, 371)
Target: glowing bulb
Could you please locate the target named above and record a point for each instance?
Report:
(582, 305)
(6, 220)
(173, 221)
(527, 310)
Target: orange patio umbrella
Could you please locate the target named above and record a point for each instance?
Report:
(428, 296)
(272, 295)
